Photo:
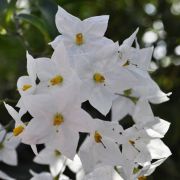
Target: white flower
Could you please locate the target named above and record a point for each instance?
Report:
(53, 158)
(136, 99)
(55, 72)
(133, 171)
(27, 84)
(80, 36)
(5, 176)
(102, 78)
(46, 176)
(133, 58)
(20, 127)
(103, 173)
(101, 147)
(142, 145)
(8, 148)
(40, 176)
(124, 104)
(57, 116)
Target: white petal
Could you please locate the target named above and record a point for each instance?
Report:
(158, 128)
(56, 41)
(31, 66)
(37, 131)
(34, 149)
(79, 120)
(14, 114)
(129, 41)
(121, 107)
(143, 113)
(158, 149)
(20, 105)
(75, 165)
(65, 22)
(154, 166)
(68, 141)
(60, 57)
(5, 176)
(57, 166)
(11, 142)
(9, 157)
(101, 99)
(25, 80)
(95, 26)
(2, 133)
(45, 69)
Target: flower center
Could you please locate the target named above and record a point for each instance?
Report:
(136, 170)
(98, 78)
(56, 80)
(142, 178)
(26, 87)
(79, 39)
(58, 119)
(18, 130)
(97, 137)
(57, 152)
(131, 142)
(127, 63)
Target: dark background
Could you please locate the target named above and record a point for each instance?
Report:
(29, 25)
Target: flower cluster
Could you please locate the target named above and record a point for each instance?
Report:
(113, 77)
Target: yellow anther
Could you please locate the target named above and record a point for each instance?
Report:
(26, 87)
(56, 80)
(58, 119)
(79, 39)
(98, 78)
(126, 63)
(97, 137)
(18, 130)
(142, 178)
(57, 152)
(131, 142)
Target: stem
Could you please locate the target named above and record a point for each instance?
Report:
(8, 101)
(7, 125)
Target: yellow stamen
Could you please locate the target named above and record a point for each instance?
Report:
(79, 39)
(26, 87)
(56, 80)
(57, 152)
(98, 78)
(131, 142)
(142, 178)
(18, 130)
(126, 63)
(97, 137)
(58, 119)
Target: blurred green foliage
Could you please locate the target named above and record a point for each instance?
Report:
(30, 25)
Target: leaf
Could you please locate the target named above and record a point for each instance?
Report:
(37, 22)
(3, 5)
(10, 10)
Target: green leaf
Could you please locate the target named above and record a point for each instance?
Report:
(37, 22)
(3, 5)
(10, 10)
